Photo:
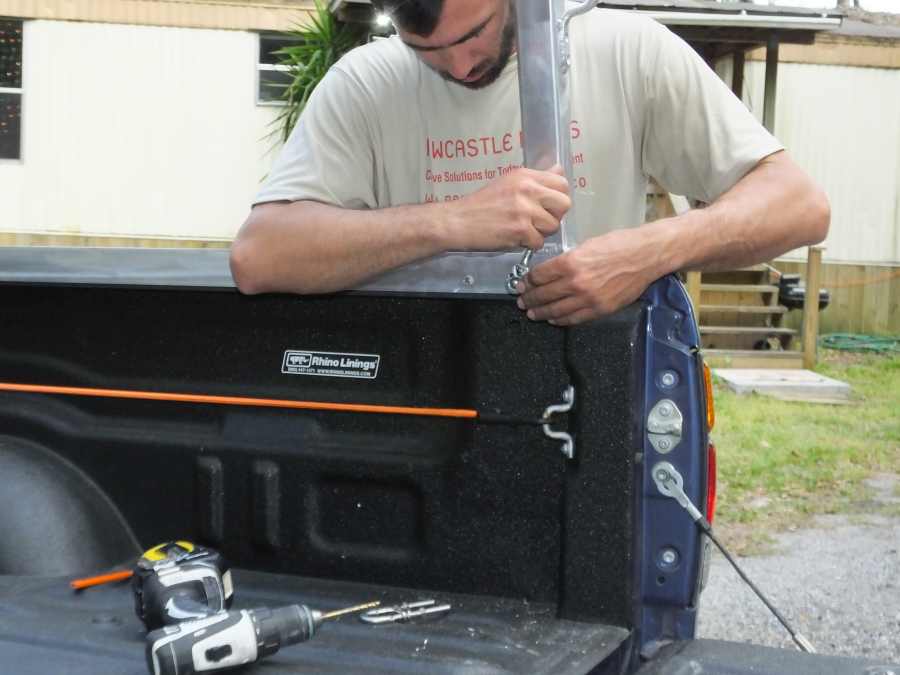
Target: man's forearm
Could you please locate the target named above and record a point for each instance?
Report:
(773, 209)
(308, 247)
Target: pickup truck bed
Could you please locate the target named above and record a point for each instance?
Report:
(552, 565)
(48, 628)
(557, 559)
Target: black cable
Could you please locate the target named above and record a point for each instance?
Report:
(801, 641)
(510, 420)
(669, 482)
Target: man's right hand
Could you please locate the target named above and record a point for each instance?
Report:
(310, 247)
(516, 211)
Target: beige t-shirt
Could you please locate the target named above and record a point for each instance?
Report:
(383, 130)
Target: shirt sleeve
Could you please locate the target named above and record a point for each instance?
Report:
(329, 155)
(699, 138)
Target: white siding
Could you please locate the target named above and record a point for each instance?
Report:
(136, 131)
(154, 132)
(842, 124)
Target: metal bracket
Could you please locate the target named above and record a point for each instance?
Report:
(544, 64)
(664, 426)
(568, 446)
(519, 271)
(565, 52)
(670, 484)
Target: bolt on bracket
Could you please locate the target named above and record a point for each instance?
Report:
(664, 426)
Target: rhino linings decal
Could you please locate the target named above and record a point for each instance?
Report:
(330, 364)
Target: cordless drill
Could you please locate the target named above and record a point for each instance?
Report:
(182, 592)
(229, 639)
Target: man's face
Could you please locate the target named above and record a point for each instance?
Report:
(472, 42)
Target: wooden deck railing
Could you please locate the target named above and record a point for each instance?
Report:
(811, 306)
(675, 205)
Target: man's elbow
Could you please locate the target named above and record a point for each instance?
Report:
(819, 211)
(245, 271)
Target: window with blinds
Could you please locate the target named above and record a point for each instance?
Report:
(10, 88)
(273, 77)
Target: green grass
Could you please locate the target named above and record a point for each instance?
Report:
(782, 462)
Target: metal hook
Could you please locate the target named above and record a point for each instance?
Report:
(570, 14)
(568, 447)
(583, 8)
(519, 271)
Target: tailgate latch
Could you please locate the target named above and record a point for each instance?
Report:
(664, 426)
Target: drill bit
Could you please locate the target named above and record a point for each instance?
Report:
(350, 610)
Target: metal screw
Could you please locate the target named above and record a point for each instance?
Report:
(662, 475)
(669, 556)
(469, 280)
(668, 379)
(664, 444)
(665, 410)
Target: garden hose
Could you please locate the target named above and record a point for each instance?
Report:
(851, 342)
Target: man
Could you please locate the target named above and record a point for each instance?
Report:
(409, 148)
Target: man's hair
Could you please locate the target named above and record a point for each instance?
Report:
(419, 17)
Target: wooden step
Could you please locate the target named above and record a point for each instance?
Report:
(739, 288)
(745, 330)
(752, 358)
(745, 309)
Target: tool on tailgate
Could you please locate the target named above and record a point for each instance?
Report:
(180, 580)
(161, 555)
(228, 639)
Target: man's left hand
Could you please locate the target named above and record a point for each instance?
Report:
(596, 278)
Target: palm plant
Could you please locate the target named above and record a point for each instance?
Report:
(318, 45)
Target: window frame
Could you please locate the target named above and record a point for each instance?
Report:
(20, 92)
(268, 67)
(263, 67)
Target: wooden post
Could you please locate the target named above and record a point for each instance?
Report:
(811, 307)
(693, 289)
(771, 83)
(737, 72)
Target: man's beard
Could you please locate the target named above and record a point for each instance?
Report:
(492, 70)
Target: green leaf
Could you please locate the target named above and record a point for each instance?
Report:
(319, 44)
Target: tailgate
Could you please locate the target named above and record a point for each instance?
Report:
(716, 657)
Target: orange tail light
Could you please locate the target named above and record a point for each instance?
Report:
(710, 406)
(711, 484)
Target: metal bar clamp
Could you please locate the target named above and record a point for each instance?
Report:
(544, 64)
